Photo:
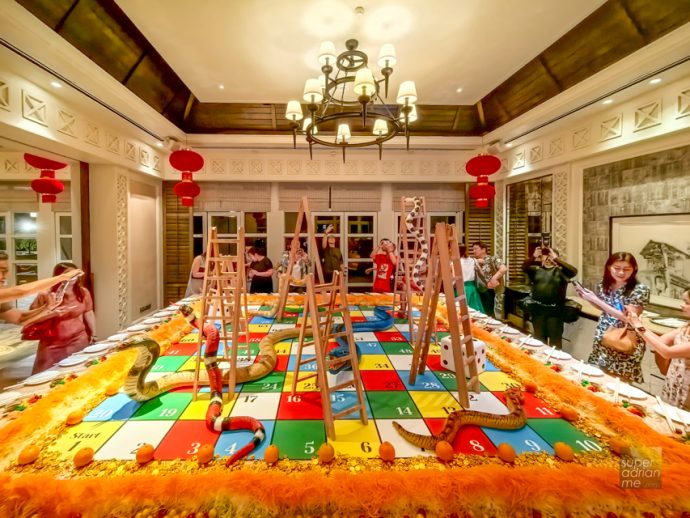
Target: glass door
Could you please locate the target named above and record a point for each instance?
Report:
(321, 221)
(226, 228)
(360, 233)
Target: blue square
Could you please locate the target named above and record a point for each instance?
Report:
(424, 382)
(342, 400)
(117, 408)
(370, 348)
(306, 367)
(524, 440)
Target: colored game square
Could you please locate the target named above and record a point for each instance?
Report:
(259, 328)
(403, 327)
(535, 408)
(336, 380)
(305, 367)
(402, 447)
(356, 313)
(364, 336)
(292, 320)
(374, 362)
(433, 362)
(184, 439)
(382, 380)
(124, 443)
(355, 438)
(490, 367)
(168, 364)
(558, 430)
(261, 405)
(166, 407)
(485, 401)
(303, 405)
(283, 348)
(426, 381)
(370, 348)
(389, 336)
(257, 320)
(434, 404)
(119, 407)
(281, 363)
(388, 404)
(401, 362)
(354, 319)
(191, 338)
(343, 400)
(447, 379)
(254, 338)
(441, 328)
(231, 441)
(497, 381)
(83, 435)
(470, 440)
(280, 327)
(181, 349)
(306, 385)
(299, 439)
(196, 410)
(524, 440)
(397, 347)
(273, 382)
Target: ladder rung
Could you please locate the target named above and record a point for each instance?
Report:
(345, 384)
(307, 377)
(308, 360)
(347, 411)
(337, 335)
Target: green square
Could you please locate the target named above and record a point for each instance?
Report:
(448, 380)
(271, 383)
(167, 407)
(397, 347)
(366, 308)
(441, 335)
(558, 430)
(293, 309)
(265, 308)
(169, 363)
(394, 404)
(299, 439)
(400, 320)
(287, 320)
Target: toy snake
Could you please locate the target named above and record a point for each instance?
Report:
(416, 282)
(384, 320)
(458, 418)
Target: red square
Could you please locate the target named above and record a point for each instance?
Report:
(470, 439)
(282, 361)
(433, 361)
(390, 336)
(382, 380)
(303, 405)
(535, 408)
(358, 319)
(179, 349)
(441, 328)
(184, 439)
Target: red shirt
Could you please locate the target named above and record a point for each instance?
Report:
(384, 271)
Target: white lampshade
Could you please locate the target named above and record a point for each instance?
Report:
(343, 133)
(387, 57)
(312, 91)
(294, 111)
(411, 117)
(407, 93)
(327, 53)
(364, 82)
(380, 128)
(305, 125)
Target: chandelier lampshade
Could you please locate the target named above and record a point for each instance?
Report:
(46, 185)
(483, 165)
(332, 108)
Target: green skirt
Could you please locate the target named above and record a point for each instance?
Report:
(472, 296)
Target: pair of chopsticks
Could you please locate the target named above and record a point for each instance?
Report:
(666, 412)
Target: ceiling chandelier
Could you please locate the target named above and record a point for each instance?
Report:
(348, 95)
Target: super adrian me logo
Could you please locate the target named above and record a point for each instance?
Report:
(641, 468)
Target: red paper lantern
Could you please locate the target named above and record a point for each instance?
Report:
(187, 190)
(482, 203)
(482, 190)
(186, 160)
(483, 165)
(47, 185)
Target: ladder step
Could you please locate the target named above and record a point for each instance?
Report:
(337, 335)
(308, 360)
(307, 377)
(345, 384)
(347, 411)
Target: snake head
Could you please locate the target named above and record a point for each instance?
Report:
(187, 311)
(132, 341)
(515, 394)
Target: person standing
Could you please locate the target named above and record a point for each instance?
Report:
(260, 271)
(332, 257)
(196, 276)
(618, 290)
(549, 276)
(385, 261)
(489, 278)
(469, 277)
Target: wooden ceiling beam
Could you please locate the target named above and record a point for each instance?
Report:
(62, 21)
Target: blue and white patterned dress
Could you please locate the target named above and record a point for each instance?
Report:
(625, 366)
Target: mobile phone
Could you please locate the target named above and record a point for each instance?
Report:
(577, 284)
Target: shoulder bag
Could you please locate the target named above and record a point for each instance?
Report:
(620, 339)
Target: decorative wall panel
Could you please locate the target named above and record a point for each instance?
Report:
(536, 153)
(34, 109)
(499, 218)
(648, 115)
(556, 147)
(122, 243)
(66, 123)
(611, 127)
(581, 138)
(92, 134)
(683, 104)
(4, 96)
(113, 143)
(559, 235)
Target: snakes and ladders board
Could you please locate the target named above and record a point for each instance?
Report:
(174, 424)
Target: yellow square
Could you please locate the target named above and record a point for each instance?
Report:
(196, 410)
(356, 314)
(190, 364)
(435, 349)
(283, 348)
(259, 328)
(375, 362)
(191, 338)
(356, 439)
(434, 404)
(497, 381)
(308, 385)
(85, 434)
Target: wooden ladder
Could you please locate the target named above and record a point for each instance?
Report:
(313, 251)
(444, 275)
(224, 300)
(409, 251)
(321, 303)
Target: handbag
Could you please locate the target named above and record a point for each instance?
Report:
(571, 311)
(39, 330)
(620, 339)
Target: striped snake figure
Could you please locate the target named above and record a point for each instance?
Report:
(417, 282)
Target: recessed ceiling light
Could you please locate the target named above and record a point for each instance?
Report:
(55, 84)
(607, 101)
(655, 81)
(221, 87)
(459, 90)
(159, 144)
(509, 144)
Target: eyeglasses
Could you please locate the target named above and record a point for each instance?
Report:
(622, 270)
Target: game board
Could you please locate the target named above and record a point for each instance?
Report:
(174, 424)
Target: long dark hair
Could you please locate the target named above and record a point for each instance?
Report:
(463, 250)
(608, 278)
(61, 268)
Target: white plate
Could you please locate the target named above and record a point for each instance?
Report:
(510, 331)
(118, 337)
(152, 321)
(626, 390)
(164, 314)
(493, 322)
(42, 377)
(97, 348)
(530, 342)
(138, 327)
(587, 370)
(8, 397)
(75, 359)
(172, 308)
(557, 355)
(669, 322)
(674, 413)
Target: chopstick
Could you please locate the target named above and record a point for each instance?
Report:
(664, 412)
(16, 385)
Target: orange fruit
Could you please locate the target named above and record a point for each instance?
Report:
(75, 417)
(83, 457)
(569, 414)
(326, 453)
(530, 386)
(144, 453)
(563, 451)
(618, 446)
(444, 451)
(387, 452)
(112, 389)
(205, 454)
(506, 452)
(271, 455)
(28, 455)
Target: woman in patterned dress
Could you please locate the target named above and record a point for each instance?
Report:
(673, 346)
(618, 291)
